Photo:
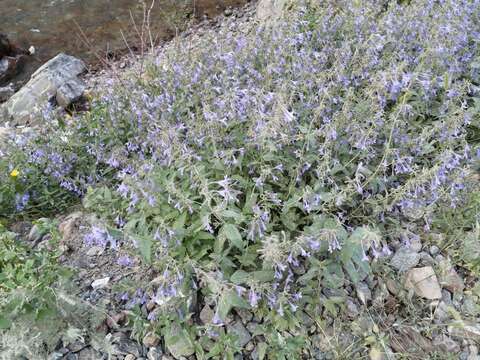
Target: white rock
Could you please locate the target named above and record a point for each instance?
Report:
(424, 283)
(270, 10)
(100, 283)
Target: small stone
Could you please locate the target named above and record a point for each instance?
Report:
(449, 278)
(114, 320)
(6, 93)
(154, 354)
(206, 315)
(363, 293)
(69, 226)
(446, 344)
(95, 250)
(100, 283)
(375, 354)
(242, 334)
(424, 283)
(252, 327)
(31, 50)
(151, 305)
(126, 346)
(245, 314)
(352, 309)
(393, 286)
(441, 313)
(151, 340)
(415, 244)
(228, 12)
(129, 357)
(89, 354)
(405, 259)
(76, 346)
(465, 330)
(434, 250)
(447, 296)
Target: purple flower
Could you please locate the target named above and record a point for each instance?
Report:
(125, 261)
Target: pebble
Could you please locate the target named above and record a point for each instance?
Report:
(405, 259)
(424, 283)
(363, 293)
(151, 340)
(100, 283)
(434, 250)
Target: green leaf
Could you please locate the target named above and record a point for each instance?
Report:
(4, 323)
(264, 275)
(228, 300)
(233, 235)
(239, 277)
(262, 350)
(224, 306)
(145, 246)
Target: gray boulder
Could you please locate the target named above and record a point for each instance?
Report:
(270, 10)
(55, 80)
(6, 92)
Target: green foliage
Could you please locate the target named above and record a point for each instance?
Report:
(27, 281)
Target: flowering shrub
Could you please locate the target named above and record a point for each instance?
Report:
(260, 169)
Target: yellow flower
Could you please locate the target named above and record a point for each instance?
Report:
(14, 173)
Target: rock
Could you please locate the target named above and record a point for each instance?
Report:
(446, 344)
(36, 233)
(376, 354)
(6, 92)
(129, 357)
(89, 354)
(70, 92)
(442, 313)
(95, 250)
(405, 259)
(465, 330)
(270, 10)
(424, 283)
(178, 342)
(448, 277)
(115, 320)
(154, 354)
(352, 309)
(151, 340)
(241, 333)
(393, 286)
(5, 46)
(206, 315)
(24, 106)
(471, 306)
(69, 226)
(253, 327)
(76, 346)
(10, 66)
(125, 347)
(228, 12)
(409, 341)
(100, 283)
(363, 293)
(426, 259)
(434, 250)
(245, 314)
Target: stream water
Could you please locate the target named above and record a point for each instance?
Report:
(92, 28)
